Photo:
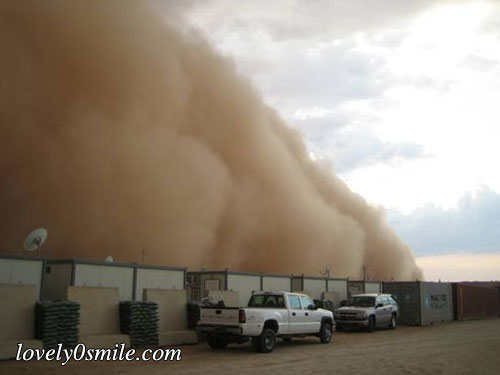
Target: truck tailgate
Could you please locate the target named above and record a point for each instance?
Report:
(220, 316)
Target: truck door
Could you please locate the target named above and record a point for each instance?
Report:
(312, 318)
(295, 314)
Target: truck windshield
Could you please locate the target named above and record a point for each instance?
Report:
(362, 301)
(266, 301)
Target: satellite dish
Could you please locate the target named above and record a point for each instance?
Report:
(35, 240)
(109, 259)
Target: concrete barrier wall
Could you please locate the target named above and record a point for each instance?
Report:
(151, 278)
(171, 308)
(17, 311)
(22, 271)
(95, 275)
(99, 309)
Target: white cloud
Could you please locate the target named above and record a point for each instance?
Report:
(472, 227)
(404, 97)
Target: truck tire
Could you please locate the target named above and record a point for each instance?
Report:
(392, 324)
(371, 324)
(266, 342)
(217, 342)
(325, 333)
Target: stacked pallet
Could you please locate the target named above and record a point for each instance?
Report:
(56, 322)
(139, 320)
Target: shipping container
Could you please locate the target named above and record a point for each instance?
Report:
(25, 270)
(421, 303)
(130, 279)
(475, 302)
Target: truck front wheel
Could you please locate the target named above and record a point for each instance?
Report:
(371, 324)
(326, 333)
(217, 342)
(266, 342)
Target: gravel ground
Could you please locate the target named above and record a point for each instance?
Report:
(471, 347)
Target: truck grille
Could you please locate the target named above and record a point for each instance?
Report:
(349, 316)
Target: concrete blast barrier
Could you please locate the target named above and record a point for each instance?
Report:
(61, 273)
(17, 318)
(99, 316)
(172, 316)
(130, 279)
(150, 277)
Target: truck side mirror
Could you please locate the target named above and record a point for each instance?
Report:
(379, 305)
(312, 307)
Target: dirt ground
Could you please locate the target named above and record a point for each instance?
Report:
(471, 347)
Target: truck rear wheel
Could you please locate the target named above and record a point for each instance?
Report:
(266, 342)
(217, 342)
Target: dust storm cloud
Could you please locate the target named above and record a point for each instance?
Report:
(124, 137)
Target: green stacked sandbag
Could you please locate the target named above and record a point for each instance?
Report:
(139, 320)
(68, 325)
(57, 322)
(151, 328)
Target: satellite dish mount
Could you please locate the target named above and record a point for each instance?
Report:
(35, 240)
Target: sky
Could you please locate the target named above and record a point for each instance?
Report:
(400, 98)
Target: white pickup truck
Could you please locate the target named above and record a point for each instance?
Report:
(268, 316)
